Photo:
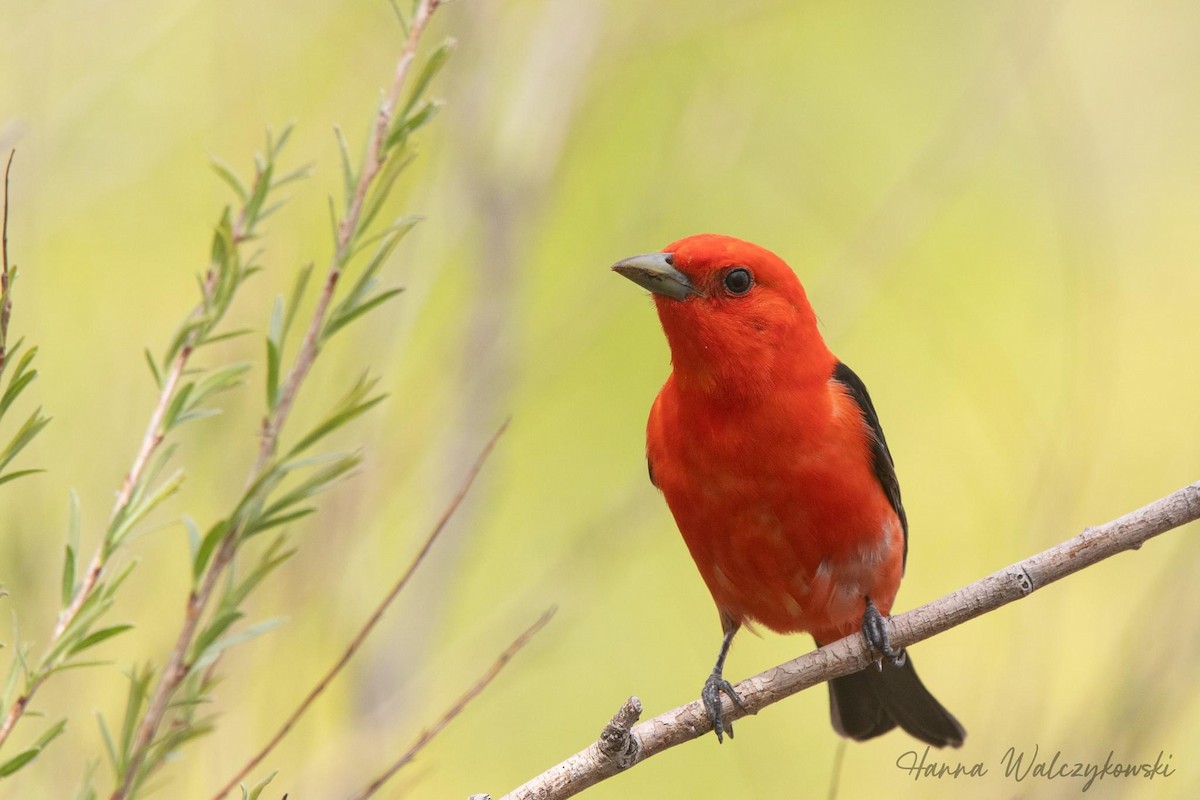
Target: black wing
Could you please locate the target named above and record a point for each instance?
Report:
(885, 469)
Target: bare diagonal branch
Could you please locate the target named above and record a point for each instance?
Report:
(602, 760)
(431, 732)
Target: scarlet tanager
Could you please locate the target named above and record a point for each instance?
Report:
(771, 458)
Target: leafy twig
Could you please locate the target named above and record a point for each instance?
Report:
(358, 640)
(260, 507)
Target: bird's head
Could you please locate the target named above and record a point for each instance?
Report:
(735, 315)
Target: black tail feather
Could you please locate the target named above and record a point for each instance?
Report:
(872, 702)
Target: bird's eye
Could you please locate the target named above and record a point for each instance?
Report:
(738, 281)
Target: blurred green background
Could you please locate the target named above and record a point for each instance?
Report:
(995, 208)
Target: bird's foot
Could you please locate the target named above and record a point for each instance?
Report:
(874, 629)
(714, 687)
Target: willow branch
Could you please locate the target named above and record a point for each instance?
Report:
(177, 668)
(618, 750)
(366, 629)
(347, 232)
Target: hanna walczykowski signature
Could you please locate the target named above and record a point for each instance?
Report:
(1036, 765)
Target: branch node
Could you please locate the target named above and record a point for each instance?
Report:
(616, 743)
(1023, 580)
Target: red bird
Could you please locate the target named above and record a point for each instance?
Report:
(770, 455)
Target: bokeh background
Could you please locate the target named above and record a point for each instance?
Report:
(995, 208)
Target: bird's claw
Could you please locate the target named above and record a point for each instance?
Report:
(714, 687)
(874, 629)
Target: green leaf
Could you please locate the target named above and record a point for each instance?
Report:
(32, 426)
(314, 484)
(294, 302)
(352, 404)
(412, 123)
(21, 378)
(230, 177)
(18, 761)
(254, 793)
(266, 523)
(170, 418)
(273, 359)
(433, 65)
(348, 177)
(335, 324)
(68, 577)
(207, 545)
(96, 637)
(139, 508)
(210, 653)
(21, 473)
(24, 757)
(383, 188)
(271, 558)
(262, 185)
(114, 759)
(209, 635)
(153, 369)
(50, 734)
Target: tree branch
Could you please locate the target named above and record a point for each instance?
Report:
(476, 689)
(617, 751)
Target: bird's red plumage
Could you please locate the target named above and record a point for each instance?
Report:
(764, 460)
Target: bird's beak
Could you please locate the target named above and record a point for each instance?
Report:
(656, 272)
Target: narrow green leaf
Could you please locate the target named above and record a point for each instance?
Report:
(170, 418)
(273, 359)
(21, 473)
(139, 508)
(267, 523)
(335, 324)
(294, 303)
(215, 534)
(109, 588)
(32, 426)
(298, 174)
(270, 560)
(209, 653)
(135, 701)
(437, 60)
(209, 635)
(314, 484)
(383, 188)
(50, 734)
(404, 128)
(18, 761)
(257, 790)
(236, 334)
(110, 745)
(96, 637)
(348, 177)
(282, 141)
(262, 185)
(333, 422)
(68, 577)
(193, 535)
(21, 378)
(153, 369)
(230, 177)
